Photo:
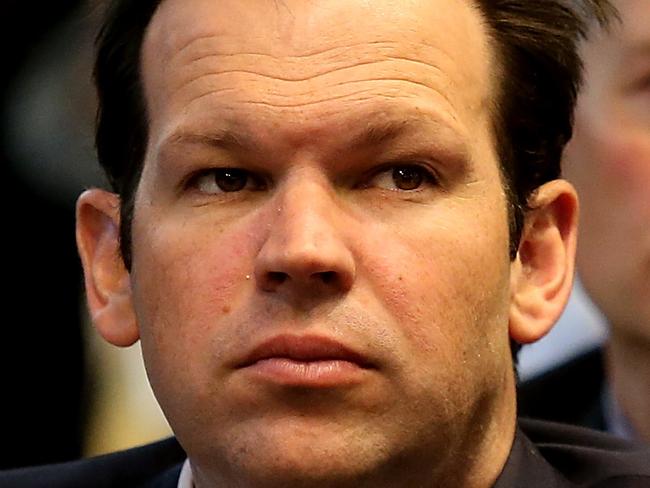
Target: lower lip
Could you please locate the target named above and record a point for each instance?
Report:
(328, 373)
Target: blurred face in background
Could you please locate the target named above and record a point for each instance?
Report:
(608, 160)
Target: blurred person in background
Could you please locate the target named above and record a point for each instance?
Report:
(608, 161)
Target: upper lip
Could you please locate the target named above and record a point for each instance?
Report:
(304, 348)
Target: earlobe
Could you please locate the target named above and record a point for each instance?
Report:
(542, 272)
(108, 289)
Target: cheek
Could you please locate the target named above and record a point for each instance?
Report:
(189, 280)
(626, 168)
(611, 171)
(445, 287)
(609, 158)
(189, 274)
(609, 163)
(628, 172)
(445, 283)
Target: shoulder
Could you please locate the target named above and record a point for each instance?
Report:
(153, 465)
(589, 458)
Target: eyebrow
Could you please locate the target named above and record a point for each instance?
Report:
(386, 131)
(376, 133)
(220, 139)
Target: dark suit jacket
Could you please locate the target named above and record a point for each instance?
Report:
(544, 455)
(570, 393)
(155, 465)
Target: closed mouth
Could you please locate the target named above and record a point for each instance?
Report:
(305, 349)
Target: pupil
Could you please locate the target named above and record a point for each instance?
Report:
(231, 179)
(407, 178)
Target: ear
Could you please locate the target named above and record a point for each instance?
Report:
(108, 288)
(542, 272)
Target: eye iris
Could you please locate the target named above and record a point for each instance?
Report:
(407, 178)
(231, 179)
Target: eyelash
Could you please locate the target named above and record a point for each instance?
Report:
(195, 180)
(429, 177)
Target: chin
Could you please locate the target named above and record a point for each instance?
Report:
(300, 455)
(302, 464)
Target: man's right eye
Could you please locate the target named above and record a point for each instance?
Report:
(226, 180)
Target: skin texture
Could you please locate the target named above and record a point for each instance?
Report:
(318, 101)
(608, 160)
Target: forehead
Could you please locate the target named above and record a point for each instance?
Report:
(317, 59)
(301, 25)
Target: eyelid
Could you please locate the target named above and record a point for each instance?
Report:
(191, 181)
(430, 174)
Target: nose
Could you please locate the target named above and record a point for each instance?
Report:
(305, 253)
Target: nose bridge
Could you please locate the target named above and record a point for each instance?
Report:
(306, 211)
(306, 244)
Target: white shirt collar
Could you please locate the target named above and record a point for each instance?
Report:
(185, 479)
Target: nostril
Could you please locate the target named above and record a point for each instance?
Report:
(277, 277)
(327, 277)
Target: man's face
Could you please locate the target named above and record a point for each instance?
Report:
(608, 160)
(320, 241)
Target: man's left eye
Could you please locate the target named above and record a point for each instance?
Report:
(405, 177)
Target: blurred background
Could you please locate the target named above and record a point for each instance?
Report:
(68, 394)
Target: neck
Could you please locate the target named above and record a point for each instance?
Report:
(628, 371)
